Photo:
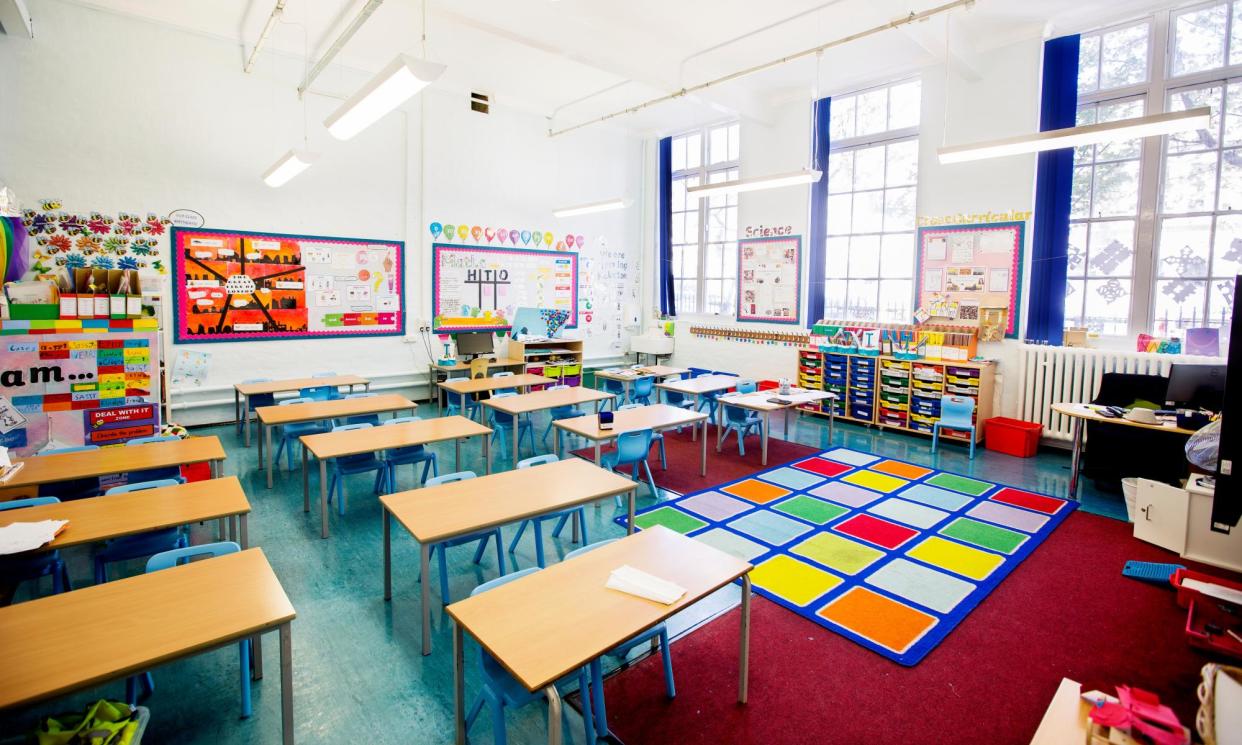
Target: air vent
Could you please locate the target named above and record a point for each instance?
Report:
(480, 102)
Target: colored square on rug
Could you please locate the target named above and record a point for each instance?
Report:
(888, 554)
(795, 581)
(823, 467)
(755, 491)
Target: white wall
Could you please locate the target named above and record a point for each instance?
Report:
(112, 114)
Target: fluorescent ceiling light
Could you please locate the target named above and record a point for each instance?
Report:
(393, 86)
(586, 209)
(757, 183)
(1087, 134)
(290, 164)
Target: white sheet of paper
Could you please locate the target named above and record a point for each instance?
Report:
(1212, 590)
(19, 537)
(636, 582)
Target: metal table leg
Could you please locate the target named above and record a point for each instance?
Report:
(323, 497)
(743, 654)
(629, 523)
(237, 409)
(554, 715)
(459, 684)
(456, 457)
(487, 455)
(267, 439)
(245, 530)
(693, 430)
(703, 455)
(286, 682)
(424, 564)
(1075, 459)
(764, 435)
(387, 554)
(246, 428)
(305, 482)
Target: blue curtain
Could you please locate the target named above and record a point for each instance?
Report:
(819, 213)
(1053, 182)
(664, 218)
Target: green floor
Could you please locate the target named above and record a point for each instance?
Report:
(358, 674)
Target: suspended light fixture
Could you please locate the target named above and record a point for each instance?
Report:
(393, 86)
(755, 183)
(587, 209)
(1086, 134)
(289, 165)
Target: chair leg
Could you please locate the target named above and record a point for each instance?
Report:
(651, 480)
(560, 525)
(667, 654)
(444, 591)
(599, 711)
(518, 535)
(497, 706)
(475, 708)
(584, 694)
(972, 443)
(131, 690)
(244, 646)
(582, 526)
(935, 436)
(500, 553)
(478, 552)
(101, 571)
(663, 455)
(539, 556)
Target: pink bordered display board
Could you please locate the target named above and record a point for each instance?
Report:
(972, 274)
(231, 285)
(769, 279)
(480, 288)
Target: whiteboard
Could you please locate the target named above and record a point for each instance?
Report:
(480, 288)
(769, 279)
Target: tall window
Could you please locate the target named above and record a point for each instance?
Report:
(704, 231)
(1156, 226)
(872, 181)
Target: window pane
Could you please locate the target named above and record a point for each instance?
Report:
(679, 154)
(865, 256)
(677, 195)
(1179, 305)
(1080, 193)
(902, 165)
(1227, 253)
(872, 112)
(1077, 250)
(868, 212)
(1199, 39)
(1123, 57)
(836, 258)
(1107, 304)
(1184, 247)
(1189, 182)
(692, 226)
(1235, 43)
(1200, 139)
(1116, 111)
(712, 296)
(1116, 189)
(861, 299)
(715, 261)
(1074, 291)
(689, 265)
(678, 225)
(687, 296)
(1112, 249)
(735, 142)
(899, 209)
(1233, 111)
(903, 106)
(897, 255)
(834, 298)
(694, 150)
(716, 224)
(1088, 64)
(895, 300)
(718, 145)
(1220, 302)
(869, 167)
(840, 171)
(1230, 180)
(840, 214)
(729, 268)
(841, 123)
(1086, 114)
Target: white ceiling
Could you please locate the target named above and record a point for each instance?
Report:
(574, 60)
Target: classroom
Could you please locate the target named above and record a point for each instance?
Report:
(644, 373)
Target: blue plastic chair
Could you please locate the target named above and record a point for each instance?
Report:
(73, 488)
(659, 631)
(410, 455)
(747, 386)
(678, 399)
(502, 425)
(956, 412)
(709, 400)
(371, 419)
(697, 372)
(155, 474)
(640, 392)
(562, 517)
(143, 544)
(321, 392)
(169, 559)
(255, 401)
(482, 537)
(656, 437)
(289, 433)
(741, 421)
(614, 387)
(501, 691)
(503, 391)
(557, 413)
(631, 450)
(348, 465)
(32, 567)
(460, 402)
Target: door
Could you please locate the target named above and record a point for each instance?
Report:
(1160, 515)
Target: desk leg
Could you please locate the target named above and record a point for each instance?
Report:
(1075, 459)
(693, 430)
(597, 459)
(323, 497)
(832, 417)
(517, 437)
(787, 409)
(246, 428)
(629, 523)
(305, 482)
(767, 432)
(286, 682)
(556, 441)
(267, 441)
(244, 521)
(237, 410)
(459, 684)
(456, 457)
(703, 455)
(424, 565)
(387, 554)
(743, 652)
(554, 715)
(487, 455)
(719, 426)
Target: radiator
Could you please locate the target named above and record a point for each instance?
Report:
(1049, 375)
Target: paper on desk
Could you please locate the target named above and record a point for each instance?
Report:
(1220, 592)
(20, 537)
(632, 581)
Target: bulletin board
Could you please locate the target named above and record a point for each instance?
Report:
(769, 279)
(68, 389)
(972, 274)
(231, 285)
(477, 288)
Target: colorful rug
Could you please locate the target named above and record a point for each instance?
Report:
(888, 554)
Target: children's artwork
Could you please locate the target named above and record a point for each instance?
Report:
(233, 285)
(476, 288)
(78, 239)
(979, 265)
(769, 279)
(992, 323)
(78, 388)
(888, 554)
(538, 322)
(190, 367)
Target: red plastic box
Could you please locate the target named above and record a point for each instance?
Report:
(1012, 436)
(1208, 617)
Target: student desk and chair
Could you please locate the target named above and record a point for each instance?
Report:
(49, 469)
(243, 391)
(765, 403)
(528, 403)
(627, 375)
(655, 417)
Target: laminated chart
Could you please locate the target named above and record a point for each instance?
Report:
(476, 288)
(769, 279)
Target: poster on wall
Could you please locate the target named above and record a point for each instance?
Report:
(973, 274)
(769, 279)
(477, 288)
(231, 285)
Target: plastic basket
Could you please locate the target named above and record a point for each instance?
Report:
(1012, 436)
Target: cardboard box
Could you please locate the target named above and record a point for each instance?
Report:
(91, 285)
(124, 293)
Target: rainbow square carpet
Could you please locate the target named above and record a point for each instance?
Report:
(888, 554)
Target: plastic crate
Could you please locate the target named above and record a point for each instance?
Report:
(1012, 436)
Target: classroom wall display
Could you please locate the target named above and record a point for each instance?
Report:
(769, 279)
(450, 232)
(232, 285)
(480, 288)
(607, 295)
(972, 274)
(79, 239)
(79, 388)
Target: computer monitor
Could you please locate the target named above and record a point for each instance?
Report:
(474, 343)
(1201, 386)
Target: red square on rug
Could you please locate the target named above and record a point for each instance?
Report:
(1037, 502)
(823, 467)
(877, 531)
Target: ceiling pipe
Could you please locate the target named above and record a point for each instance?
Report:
(267, 30)
(340, 42)
(912, 18)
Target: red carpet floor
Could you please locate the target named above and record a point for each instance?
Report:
(684, 457)
(1064, 612)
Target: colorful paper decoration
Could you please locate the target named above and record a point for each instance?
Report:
(13, 258)
(436, 229)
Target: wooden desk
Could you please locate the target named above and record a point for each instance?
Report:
(48, 469)
(116, 515)
(545, 399)
(243, 391)
(627, 375)
(547, 624)
(1065, 721)
(314, 411)
(698, 387)
(436, 373)
(483, 385)
(158, 617)
(438, 513)
(760, 402)
(1089, 412)
(654, 417)
(352, 442)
